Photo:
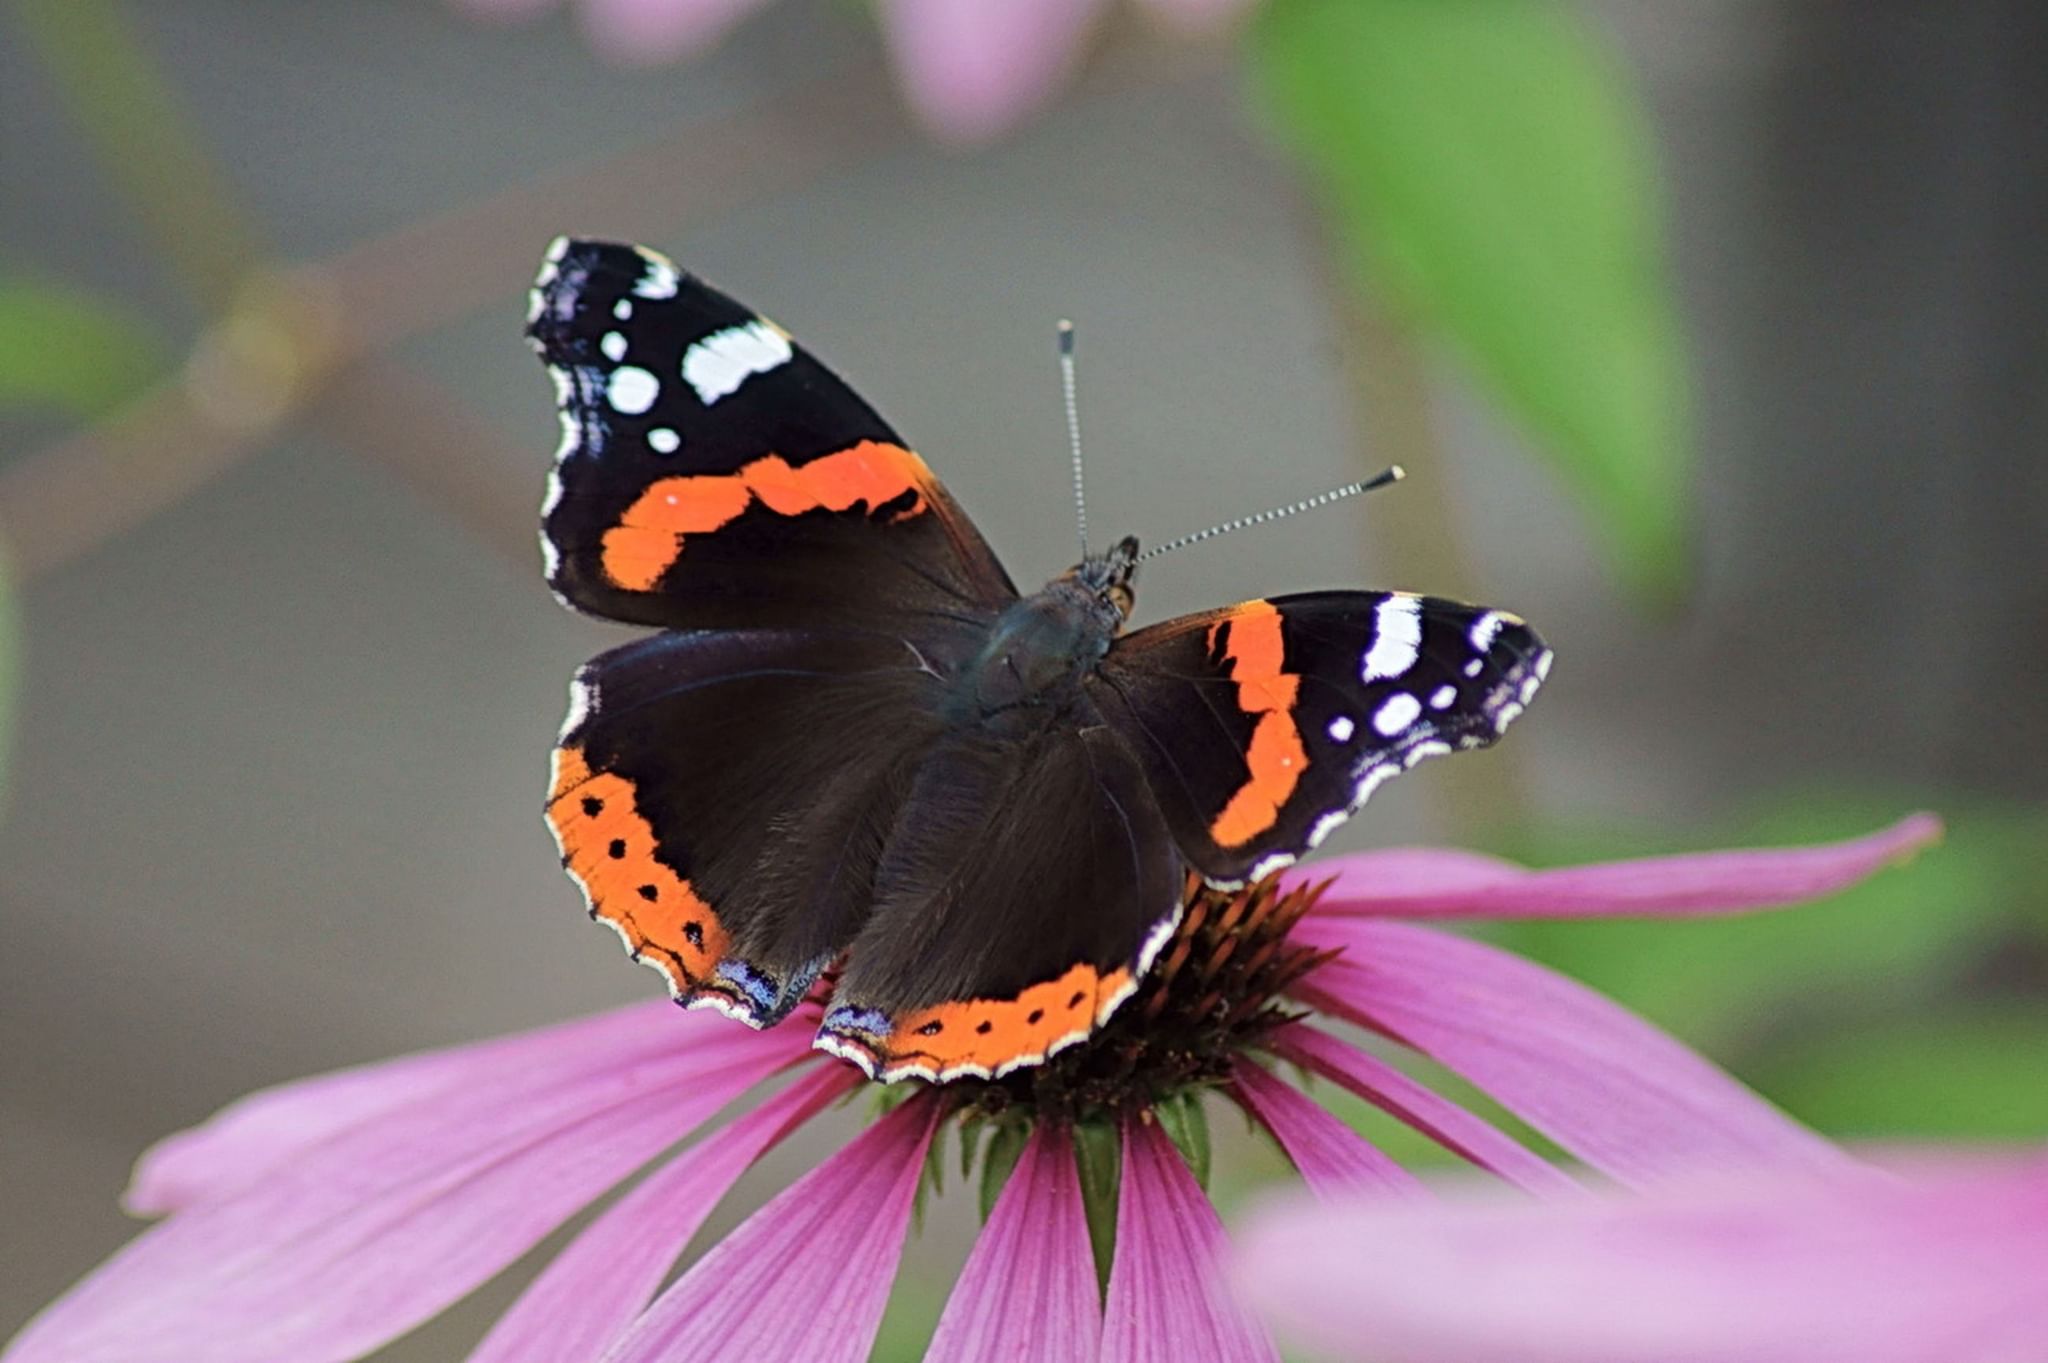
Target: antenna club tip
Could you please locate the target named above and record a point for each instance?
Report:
(1395, 473)
(1066, 330)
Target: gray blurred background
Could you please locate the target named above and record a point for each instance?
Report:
(275, 794)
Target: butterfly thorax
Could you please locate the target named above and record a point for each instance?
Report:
(1042, 646)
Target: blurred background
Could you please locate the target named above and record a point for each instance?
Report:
(1711, 336)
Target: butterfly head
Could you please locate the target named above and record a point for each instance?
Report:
(1111, 577)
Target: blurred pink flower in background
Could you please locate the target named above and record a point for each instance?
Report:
(971, 69)
(317, 1221)
(1947, 1266)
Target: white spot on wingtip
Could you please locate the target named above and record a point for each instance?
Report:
(632, 390)
(660, 278)
(1341, 729)
(1485, 628)
(1396, 713)
(623, 309)
(717, 365)
(1475, 667)
(613, 345)
(662, 440)
(1442, 697)
(1396, 638)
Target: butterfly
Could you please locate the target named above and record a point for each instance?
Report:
(853, 743)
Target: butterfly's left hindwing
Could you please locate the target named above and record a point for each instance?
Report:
(722, 796)
(1264, 726)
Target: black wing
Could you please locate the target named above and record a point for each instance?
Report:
(1026, 888)
(1264, 726)
(723, 797)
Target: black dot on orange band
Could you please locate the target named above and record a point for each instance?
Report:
(985, 1028)
(931, 1029)
(1075, 1002)
(618, 849)
(592, 806)
(649, 893)
(694, 934)
(1037, 1016)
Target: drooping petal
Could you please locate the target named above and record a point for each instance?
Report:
(971, 68)
(378, 1228)
(255, 1134)
(649, 32)
(808, 1274)
(1749, 1269)
(1443, 1121)
(1332, 1158)
(1606, 1085)
(1028, 1290)
(584, 1300)
(1166, 1303)
(1421, 883)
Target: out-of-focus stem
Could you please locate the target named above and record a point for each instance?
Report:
(144, 142)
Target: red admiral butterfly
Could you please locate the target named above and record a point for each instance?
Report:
(855, 741)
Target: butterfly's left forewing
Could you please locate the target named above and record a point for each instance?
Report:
(1264, 726)
(714, 474)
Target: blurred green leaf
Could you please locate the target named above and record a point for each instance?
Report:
(1976, 1072)
(65, 349)
(912, 1317)
(1489, 174)
(999, 1158)
(1098, 1155)
(1187, 1125)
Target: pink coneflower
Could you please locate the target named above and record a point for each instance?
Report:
(1944, 1265)
(316, 1221)
(970, 69)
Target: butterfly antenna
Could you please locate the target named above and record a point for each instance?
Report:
(1392, 474)
(1073, 428)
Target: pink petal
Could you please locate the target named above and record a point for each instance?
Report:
(1028, 1291)
(1438, 1118)
(1165, 1303)
(253, 1135)
(380, 1227)
(586, 1298)
(1758, 1269)
(806, 1277)
(648, 32)
(1332, 1157)
(973, 68)
(1419, 883)
(1601, 1082)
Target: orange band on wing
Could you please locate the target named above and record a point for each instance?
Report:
(1275, 757)
(609, 847)
(650, 537)
(987, 1037)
